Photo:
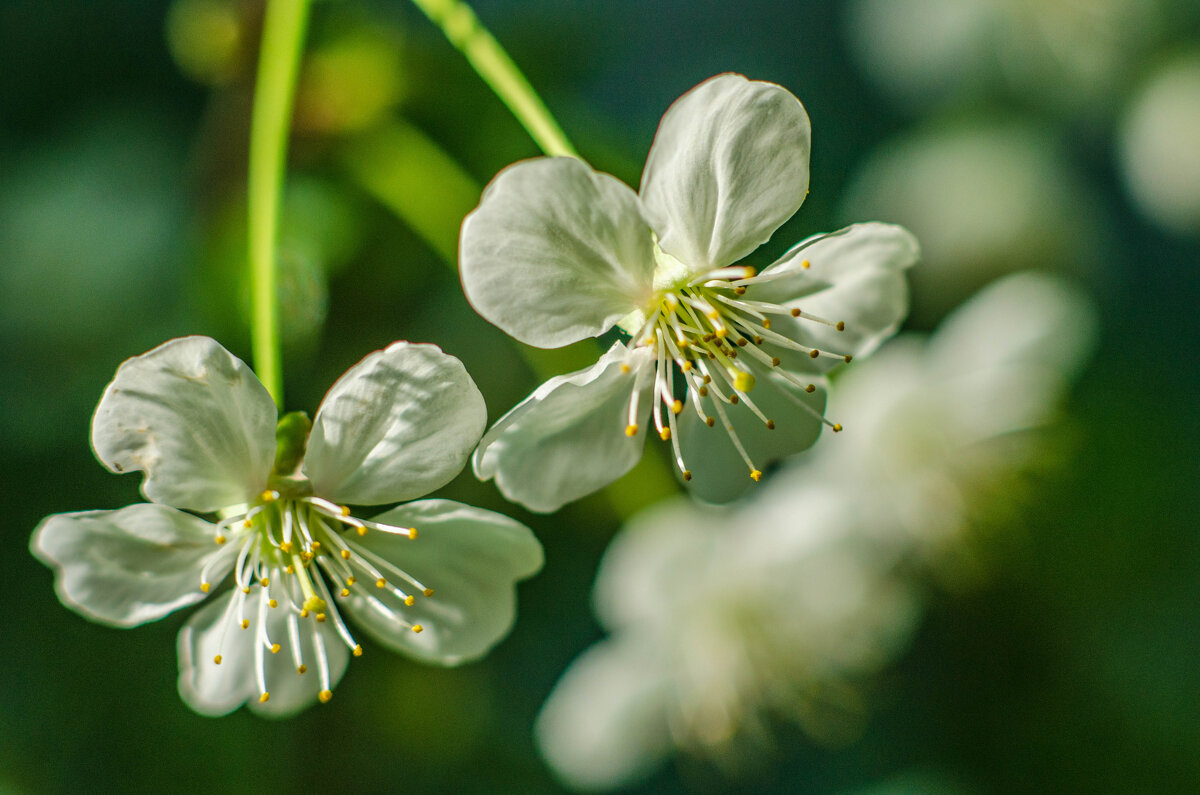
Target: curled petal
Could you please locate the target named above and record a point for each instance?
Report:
(556, 252)
(397, 425)
(470, 558)
(728, 166)
(214, 689)
(719, 473)
(854, 276)
(569, 437)
(129, 566)
(195, 419)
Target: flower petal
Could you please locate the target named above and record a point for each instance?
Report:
(718, 472)
(214, 689)
(195, 419)
(129, 566)
(605, 723)
(728, 166)
(854, 275)
(397, 425)
(556, 252)
(472, 558)
(568, 438)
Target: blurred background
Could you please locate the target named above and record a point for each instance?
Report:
(1007, 134)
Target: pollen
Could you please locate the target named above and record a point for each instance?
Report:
(217, 659)
(273, 603)
(755, 475)
(220, 540)
(325, 695)
(345, 592)
(204, 586)
(631, 430)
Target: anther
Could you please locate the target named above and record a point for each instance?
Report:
(264, 698)
(269, 495)
(739, 290)
(806, 264)
(665, 434)
(320, 618)
(409, 600)
(631, 430)
(770, 425)
(417, 628)
(217, 659)
(265, 581)
(687, 474)
(220, 540)
(428, 592)
(742, 342)
(286, 547)
(362, 530)
(703, 391)
(303, 613)
(245, 623)
(755, 475)
(810, 388)
(733, 400)
(325, 695)
(272, 603)
(274, 648)
(709, 421)
(357, 651)
(345, 592)
(766, 323)
(381, 583)
(624, 368)
(841, 325)
(677, 407)
(837, 427)
(345, 554)
(814, 353)
(351, 580)
(245, 589)
(204, 586)
(775, 361)
(301, 668)
(795, 312)
(412, 533)
(848, 357)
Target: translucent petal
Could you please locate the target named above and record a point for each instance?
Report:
(556, 252)
(728, 166)
(195, 419)
(568, 438)
(129, 566)
(471, 558)
(397, 425)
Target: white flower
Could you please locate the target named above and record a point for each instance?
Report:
(557, 252)
(198, 423)
(720, 621)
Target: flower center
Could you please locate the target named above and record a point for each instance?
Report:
(296, 554)
(707, 331)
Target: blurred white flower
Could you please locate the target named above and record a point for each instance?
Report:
(1069, 55)
(203, 429)
(556, 253)
(779, 605)
(985, 198)
(1159, 153)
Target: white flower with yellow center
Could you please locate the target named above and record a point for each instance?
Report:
(203, 429)
(557, 252)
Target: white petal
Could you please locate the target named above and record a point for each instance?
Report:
(397, 425)
(856, 276)
(728, 166)
(214, 690)
(471, 558)
(718, 472)
(605, 723)
(130, 566)
(556, 252)
(195, 419)
(568, 438)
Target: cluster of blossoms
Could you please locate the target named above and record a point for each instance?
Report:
(779, 606)
(557, 252)
(236, 495)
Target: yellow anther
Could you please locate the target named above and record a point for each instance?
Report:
(766, 322)
(301, 669)
(286, 547)
(325, 695)
(739, 290)
(677, 407)
(351, 580)
(272, 603)
(362, 529)
(775, 361)
(290, 569)
(755, 475)
(743, 381)
(687, 366)
(345, 509)
(303, 613)
(408, 600)
(265, 581)
(314, 603)
(220, 540)
(217, 659)
(624, 368)
(709, 421)
(841, 325)
(631, 430)
(274, 648)
(417, 628)
(837, 427)
(320, 618)
(687, 474)
(345, 592)
(345, 554)
(795, 311)
(245, 589)
(664, 434)
(758, 340)
(412, 533)
(806, 264)
(428, 592)
(848, 357)
(703, 391)
(381, 583)
(268, 496)
(245, 623)
(810, 388)
(814, 353)
(264, 698)
(316, 545)
(204, 586)
(357, 651)
(248, 524)
(770, 425)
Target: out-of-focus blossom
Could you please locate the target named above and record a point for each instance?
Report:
(779, 605)
(1070, 55)
(556, 253)
(1159, 149)
(198, 423)
(985, 198)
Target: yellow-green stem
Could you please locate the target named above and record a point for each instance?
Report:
(274, 92)
(464, 30)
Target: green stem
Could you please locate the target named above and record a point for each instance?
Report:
(274, 92)
(464, 30)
